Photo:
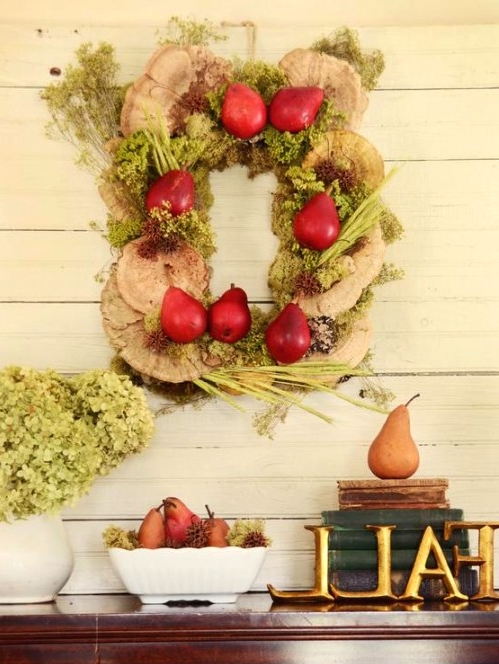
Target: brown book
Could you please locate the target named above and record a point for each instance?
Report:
(393, 494)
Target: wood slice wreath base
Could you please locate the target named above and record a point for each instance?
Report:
(177, 119)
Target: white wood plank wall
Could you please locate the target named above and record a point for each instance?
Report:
(436, 332)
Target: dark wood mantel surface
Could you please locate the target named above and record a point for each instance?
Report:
(108, 629)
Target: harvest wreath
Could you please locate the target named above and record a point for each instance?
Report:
(153, 145)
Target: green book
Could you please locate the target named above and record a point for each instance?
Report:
(403, 519)
(362, 538)
(367, 559)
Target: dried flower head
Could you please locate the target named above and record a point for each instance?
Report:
(307, 284)
(58, 434)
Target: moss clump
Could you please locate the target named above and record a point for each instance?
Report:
(258, 75)
(116, 537)
(119, 233)
(344, 44)
(247, 533)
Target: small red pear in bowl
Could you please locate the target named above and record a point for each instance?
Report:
(178, 518)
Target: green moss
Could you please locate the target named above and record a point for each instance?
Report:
(116, 537)
(133, 163)
(120, 233)
(192, 226)
(261, 76)
(389, 272)
(344, 44)
(152, 320)
(391, 227)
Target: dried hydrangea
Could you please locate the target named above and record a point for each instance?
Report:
(57, 434)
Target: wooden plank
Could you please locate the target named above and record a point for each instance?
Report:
(404, 125)
(421, 56)
(34, 49)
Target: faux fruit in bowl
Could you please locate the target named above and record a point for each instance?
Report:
(178, 556)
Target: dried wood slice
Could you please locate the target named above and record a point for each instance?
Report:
(339, 80)
(125, 329)
(350, 152)
(365, 263)
(168, 76)
(142, 281)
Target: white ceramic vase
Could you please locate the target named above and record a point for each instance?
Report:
(36, 559)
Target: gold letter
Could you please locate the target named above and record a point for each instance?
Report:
(485, 558)
(320, 590)
(430, 544)
(384, 589)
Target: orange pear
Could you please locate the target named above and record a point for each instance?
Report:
(217, 529)
(393, 454)
(151, 533)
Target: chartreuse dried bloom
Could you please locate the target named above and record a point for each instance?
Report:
(57, 434)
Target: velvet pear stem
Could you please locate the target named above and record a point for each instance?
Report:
(412, 399)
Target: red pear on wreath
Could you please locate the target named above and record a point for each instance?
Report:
(175, 188)
(243, 113)
(178, 518)
(317, 225)
(295, 108)
(183, 318)
(229, 318)
(288, 336)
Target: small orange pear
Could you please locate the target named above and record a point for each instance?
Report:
(151, 533)
(393, 454)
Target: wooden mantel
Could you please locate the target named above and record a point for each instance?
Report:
(116, 629)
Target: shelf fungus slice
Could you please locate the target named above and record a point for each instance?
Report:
(364, 264)
(142, 282)
(164, 86)
(349, 152)
(125, 329)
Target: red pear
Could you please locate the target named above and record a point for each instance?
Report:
(178, 518)
(293, 109)
(235, 294)
(175, 187)
(229, 318)
(183, 318)
(288, 336)
(243, 113)
(151, 533)
(217, 529)
(317, 225)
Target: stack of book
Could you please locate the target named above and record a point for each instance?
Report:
(426, 493)
(353, 553)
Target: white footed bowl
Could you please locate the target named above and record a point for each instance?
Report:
(213, 574)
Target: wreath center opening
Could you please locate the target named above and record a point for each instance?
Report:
(246, 246)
